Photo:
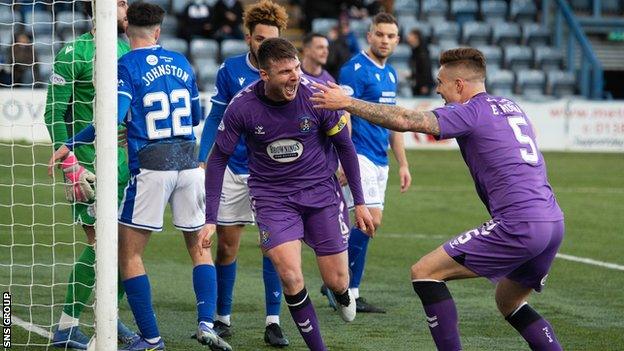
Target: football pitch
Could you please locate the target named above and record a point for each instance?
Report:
(584, 301)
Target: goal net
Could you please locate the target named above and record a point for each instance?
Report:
(42, 243)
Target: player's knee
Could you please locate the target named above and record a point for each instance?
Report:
(226, 252)
(339, 281)
(505, 305)
(419, 270)
(292, 281)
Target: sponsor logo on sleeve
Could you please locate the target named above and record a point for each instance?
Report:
(347, 90)
(57, 79)
(285, 150)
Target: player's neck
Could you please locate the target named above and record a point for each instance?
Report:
(470, 93)
(311, 67)
(379, 60)
(138, 42)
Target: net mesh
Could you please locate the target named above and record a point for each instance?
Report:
(40, 240)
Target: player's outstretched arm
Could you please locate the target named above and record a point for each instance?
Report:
(392, 117)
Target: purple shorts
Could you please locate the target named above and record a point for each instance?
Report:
(520, 251)
(318, 215)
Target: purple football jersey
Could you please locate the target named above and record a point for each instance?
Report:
(497, 143)
(288, 145)
(322, 78)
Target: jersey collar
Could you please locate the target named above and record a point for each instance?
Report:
(248, 61)
(155, 46)
(373, 61)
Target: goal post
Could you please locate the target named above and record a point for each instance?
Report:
(41, 241)
(106, 174)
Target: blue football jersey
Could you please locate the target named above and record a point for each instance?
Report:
(366, 80)
(164, 107)
(234, 74)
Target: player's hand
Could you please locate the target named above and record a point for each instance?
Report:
(342, 179)
(330, 97)
(405, 177)
(364, 220)
(59, 154)
(122, 137)
(204, 237)
(202, 165)
(79, 182)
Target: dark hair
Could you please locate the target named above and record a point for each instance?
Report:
(143, 14)
(265, 12)
(384, 17)
(470, 58)
(275, 49)
(310, 36)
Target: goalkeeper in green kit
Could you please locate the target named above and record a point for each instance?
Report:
(69, 109)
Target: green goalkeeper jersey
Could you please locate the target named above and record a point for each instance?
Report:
(70, 99)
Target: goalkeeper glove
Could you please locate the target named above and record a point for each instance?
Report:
(79, 182)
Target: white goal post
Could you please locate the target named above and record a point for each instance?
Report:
(106, 174)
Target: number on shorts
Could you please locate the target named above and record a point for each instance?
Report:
(344, 228)
(529, 156)
(164, 112)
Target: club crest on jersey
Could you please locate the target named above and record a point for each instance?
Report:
(151, 59)
(285, 150)
(265, 236)
(259, 130)
(304, 124)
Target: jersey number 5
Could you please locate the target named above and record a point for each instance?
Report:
(529, 155)
(165, 110)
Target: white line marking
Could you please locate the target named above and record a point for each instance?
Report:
(579, 190)
(31, 327)
(591, 262)
(562, 256)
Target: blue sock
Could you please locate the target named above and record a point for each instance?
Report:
(205, 286)
(140, 300)
(358, 244)
(226, 276)
(272, 288)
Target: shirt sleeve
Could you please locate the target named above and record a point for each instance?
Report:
(66, 71)
(349, 79)
(456, 120)
(229, 131)
(333, 122)
(124, 81)
(222, 95)
(196, 110)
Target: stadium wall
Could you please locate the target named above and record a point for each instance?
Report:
(561, 125)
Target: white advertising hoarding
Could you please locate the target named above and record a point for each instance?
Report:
(560, 125)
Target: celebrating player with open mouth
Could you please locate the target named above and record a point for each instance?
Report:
(293, 153)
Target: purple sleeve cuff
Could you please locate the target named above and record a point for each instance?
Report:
(214, 182)
(348, 159)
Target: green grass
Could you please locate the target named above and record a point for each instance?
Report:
(584, 303)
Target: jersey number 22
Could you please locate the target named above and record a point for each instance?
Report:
(177, 114)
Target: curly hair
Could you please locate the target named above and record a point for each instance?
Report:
(265, 12)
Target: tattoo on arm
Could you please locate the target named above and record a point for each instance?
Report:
(395, 117)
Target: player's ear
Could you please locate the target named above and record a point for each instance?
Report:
(264, 75)
(157, 33)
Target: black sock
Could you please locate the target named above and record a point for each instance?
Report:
(343, 298)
